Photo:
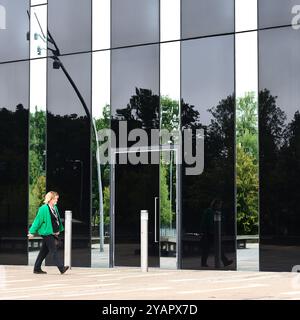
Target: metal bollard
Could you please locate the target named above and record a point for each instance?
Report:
(68, 238)
(144, 240)
(217, 239)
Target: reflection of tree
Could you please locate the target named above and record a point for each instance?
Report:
(37, 151)
(142, 111)
(280, 169)
(217, 178)
(271, 124)
(13, 170)
(247, 164)
(68, 161)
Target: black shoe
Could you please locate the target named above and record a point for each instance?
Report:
(227, 263)
(64, 269)
(39, 271)
(204, 265)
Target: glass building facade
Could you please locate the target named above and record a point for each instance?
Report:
(74, 71)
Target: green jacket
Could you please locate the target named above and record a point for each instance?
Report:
(42, 223)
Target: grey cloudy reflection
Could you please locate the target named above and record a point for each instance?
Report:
(207, 72)
(207, 17)
(13, 41)
(14, 86)
(274, 13)
(69, 22)
(134, 22)
(62, 99)
(136, 67)
(279, 61)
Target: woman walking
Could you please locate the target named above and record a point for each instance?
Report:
(48, 225)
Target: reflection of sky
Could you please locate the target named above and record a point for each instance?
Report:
(280, 67)
(207, 72)
(207, 17)
(131, 68)
(276, 12)
(14, 85)
(134, 21)
(13, 42)
(62, 98)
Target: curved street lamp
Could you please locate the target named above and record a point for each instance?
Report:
(57, 64)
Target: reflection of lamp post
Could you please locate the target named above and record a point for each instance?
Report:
(171, 181)
(81, 181)
(57, 64)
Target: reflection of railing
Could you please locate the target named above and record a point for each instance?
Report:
(167, 232)
(242, 240)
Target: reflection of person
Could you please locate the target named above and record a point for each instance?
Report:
(208, 230)
(48, 224)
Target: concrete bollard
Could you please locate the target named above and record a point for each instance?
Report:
(144, 240)
(68, 238)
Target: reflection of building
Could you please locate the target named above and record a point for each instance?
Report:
(126, 67)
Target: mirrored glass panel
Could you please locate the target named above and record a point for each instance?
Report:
(206, 17)
(143, 194)
(279, 134)
(14, 30)
(274, 13)
(69, 146)
(14, 99)
(70, 25)
(135, 94)
(208, 193)
(134, 22)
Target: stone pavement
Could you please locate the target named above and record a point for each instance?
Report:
(18, 282)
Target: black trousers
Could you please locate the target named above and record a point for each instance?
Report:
(48, 247)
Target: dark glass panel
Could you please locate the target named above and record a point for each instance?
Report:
(70, 24)
(134, 22)
(206, 17)
(14, 95)
(68, 148)
(14, 25)
(274, 13)
(279, 137)
(208, 103)
(129, 201)
(135, 88)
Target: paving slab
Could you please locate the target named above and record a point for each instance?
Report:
(18, 282)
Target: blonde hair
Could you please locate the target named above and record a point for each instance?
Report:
(50, 195)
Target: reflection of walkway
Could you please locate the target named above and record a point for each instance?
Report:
(247, 258)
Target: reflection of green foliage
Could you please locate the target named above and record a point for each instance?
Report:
(247, 164)
(247, 193)
(106, 207)
(102, 123)
(169, 113)
(37, 175)
(37, 145)
(247, 124)
(36, 196)
(166, 212)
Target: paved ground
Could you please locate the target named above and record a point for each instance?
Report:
(132, 284)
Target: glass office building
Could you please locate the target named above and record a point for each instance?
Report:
(79, 76)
